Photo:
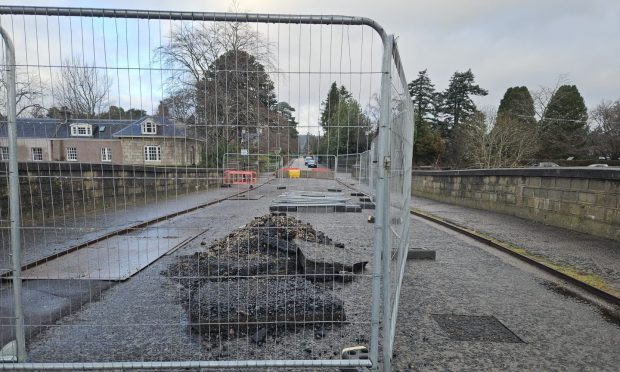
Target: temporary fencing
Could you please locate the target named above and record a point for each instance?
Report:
(120, 127)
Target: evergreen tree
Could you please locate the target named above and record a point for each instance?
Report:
(349, 129)
(428, 145)
(423, 93)
(456, 102)
(563, 129)
(119, 113)
(286, 110)
(331, 104)
(517, 105)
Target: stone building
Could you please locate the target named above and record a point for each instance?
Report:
(150, 140)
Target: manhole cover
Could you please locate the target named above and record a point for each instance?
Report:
(475, 328)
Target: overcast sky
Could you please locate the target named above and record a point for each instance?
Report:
(505, 42)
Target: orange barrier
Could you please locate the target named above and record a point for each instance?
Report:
(235, 177)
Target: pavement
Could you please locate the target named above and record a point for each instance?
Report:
(46, 301)
(44, 238)
(468, 281)
(574, 251)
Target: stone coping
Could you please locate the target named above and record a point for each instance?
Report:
(612, 174)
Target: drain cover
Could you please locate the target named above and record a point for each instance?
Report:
(475, 328)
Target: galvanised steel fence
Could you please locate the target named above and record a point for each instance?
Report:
(263, 164)
(118, 248)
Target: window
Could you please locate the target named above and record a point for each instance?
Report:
(71, 154)
(106, 154)
(4, 153)
(37, 154)
(152, 153)
(149, 127)
(81, 130)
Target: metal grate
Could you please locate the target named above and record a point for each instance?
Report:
(475, 328)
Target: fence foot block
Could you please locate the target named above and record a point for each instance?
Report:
(421, 254)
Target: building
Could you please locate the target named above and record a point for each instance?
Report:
(150, 140)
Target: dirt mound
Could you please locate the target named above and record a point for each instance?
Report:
(238, 307)
(251, 281)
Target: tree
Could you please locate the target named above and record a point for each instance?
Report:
(286, 111)
(236, 93)
(119, 113)
(489, 141)
(82, 88)
(518, 105)
(29, 95)
(543, 96)
(193, 48)
(563, 128)
(349, 129)
(331, 105)
(422, 91)
(428, 145)
(606, 134)
(456, 102)
(179, 105)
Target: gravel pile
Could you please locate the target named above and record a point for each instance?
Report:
(233, 308)
(252, 281)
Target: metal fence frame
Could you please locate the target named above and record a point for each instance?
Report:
(278, 161)
(384, 305)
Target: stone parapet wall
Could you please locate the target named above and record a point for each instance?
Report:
(53, 189)
(580, 199)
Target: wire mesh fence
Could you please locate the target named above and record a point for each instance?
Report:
(127, 123)
(398, 182)
(264, 164)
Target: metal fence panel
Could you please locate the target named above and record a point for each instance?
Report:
(133, 256)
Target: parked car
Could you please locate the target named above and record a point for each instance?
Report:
(311, 163)
(307, 158)
(546, 164)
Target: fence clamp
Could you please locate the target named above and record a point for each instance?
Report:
(387, 162)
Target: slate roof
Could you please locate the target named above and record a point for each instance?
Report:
(102, 128)
(165, 128)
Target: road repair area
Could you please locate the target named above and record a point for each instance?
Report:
(471, 308)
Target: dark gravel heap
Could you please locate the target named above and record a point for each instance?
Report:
(247, 283)
(264, 246)
(237, 307)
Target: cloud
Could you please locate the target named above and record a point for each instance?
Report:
(505, 43)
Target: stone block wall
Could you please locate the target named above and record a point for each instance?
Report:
(54, 189)
(581, 199)
(174, 151)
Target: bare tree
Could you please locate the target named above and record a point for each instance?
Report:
(488, 141)
(221, 69)
(542, 96)
(82, 88)
(29, 97)
(193, 49)
(179, 105)
(606, 132)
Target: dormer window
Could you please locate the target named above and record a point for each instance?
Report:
(81, 130)
(149, 127)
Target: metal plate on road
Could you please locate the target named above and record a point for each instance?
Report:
(116, 258)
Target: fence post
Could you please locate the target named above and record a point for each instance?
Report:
(14, 197)
(381, 259)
